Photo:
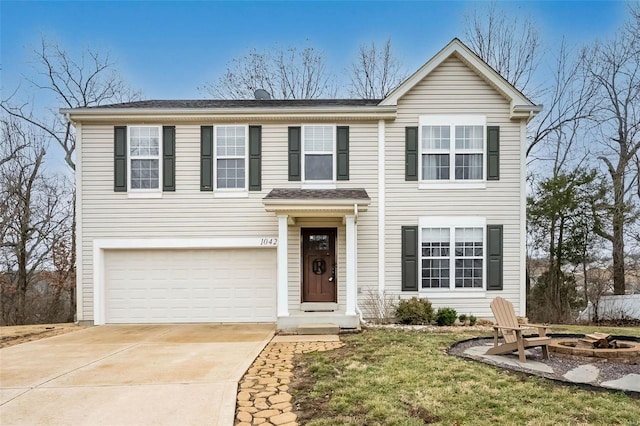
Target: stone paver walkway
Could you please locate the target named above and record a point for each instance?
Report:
(263, 393)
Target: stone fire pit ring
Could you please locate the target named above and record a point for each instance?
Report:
(628, 350)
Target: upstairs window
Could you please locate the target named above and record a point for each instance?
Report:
(318, 143)
(452, 148)
(231, 157)
(144, 158)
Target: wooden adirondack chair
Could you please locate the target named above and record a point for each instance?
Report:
(514, 340)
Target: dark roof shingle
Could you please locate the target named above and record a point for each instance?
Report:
(317, 194)
(244, 103)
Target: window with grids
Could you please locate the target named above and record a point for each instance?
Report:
(436, 251)
(461, 267)
(468, 254)
(318, 144)
(231, 143)
(144, 157)
(452, 150)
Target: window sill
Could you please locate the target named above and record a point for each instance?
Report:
(319, 185)
(150, 194)
(452, 185)
(453, 294)
(230, 194)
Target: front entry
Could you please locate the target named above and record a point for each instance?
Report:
(319, 277)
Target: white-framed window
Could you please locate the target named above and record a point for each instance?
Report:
(452, 148)
(452, 253)
(144, 145)
(318, 153)
(231, 147)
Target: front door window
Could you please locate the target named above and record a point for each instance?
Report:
(319, 282)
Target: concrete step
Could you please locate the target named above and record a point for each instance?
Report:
(318, 329)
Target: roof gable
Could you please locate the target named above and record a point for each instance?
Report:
(521, 106)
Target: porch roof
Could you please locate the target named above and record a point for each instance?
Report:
(316, 202)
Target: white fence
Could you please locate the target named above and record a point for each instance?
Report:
(614, 307)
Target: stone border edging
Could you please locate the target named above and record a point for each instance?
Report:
(585, 386)
(263, 392)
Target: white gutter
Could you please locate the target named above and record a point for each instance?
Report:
(266, 114)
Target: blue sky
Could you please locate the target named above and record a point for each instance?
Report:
(167, 49)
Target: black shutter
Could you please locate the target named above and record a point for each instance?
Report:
(343, 153)
(206, 158)
(409, 258)
(494, 257)
(255, 158)
(411, 154)
(120, 159)
(169, 158)
(493, 152)
(295, 153)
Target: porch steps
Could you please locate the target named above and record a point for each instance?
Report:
(318, 329)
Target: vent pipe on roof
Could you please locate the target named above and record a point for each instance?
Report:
(262, 95)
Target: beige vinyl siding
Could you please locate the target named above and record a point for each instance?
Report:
(363, 173)
(190, 213)
(453, 88)
(363, 162)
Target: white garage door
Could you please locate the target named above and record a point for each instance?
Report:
(168, 286)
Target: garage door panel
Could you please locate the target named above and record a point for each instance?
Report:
(146, 286)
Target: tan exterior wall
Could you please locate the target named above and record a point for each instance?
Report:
(453, 88)
(190, 213)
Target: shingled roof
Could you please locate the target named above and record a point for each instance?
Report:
(244, 103)
(317, 194)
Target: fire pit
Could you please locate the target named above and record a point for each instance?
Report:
(603, 347)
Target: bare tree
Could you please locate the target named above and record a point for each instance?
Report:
(512, 47)
(598, 285)
(568, 102)
(375, 72)
(89, 80)
(290, 73)
(615, 71)
(33, 214)
(508, 43)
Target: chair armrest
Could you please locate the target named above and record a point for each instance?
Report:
(504, 327)
(539, 326)
(542, 329)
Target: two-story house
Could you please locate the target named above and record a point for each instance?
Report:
(294, 211)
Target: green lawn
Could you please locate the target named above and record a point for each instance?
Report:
(385, 377)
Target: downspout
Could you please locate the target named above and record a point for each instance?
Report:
(358, 311)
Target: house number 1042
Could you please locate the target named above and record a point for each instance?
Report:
(272, 242)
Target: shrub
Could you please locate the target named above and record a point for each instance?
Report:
(379, 308)
(446, 316)
(472, 320)
(414, 311)
(462, 318)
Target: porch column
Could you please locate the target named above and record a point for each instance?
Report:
(351, 264)
(283, 282)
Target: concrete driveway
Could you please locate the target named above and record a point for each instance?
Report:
(129, 375)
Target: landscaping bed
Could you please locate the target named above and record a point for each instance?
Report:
(608, 370)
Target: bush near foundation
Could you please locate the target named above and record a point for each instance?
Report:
(446, 316)
(414, 311)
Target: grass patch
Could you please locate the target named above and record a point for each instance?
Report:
(584, 329)
(390, 377)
